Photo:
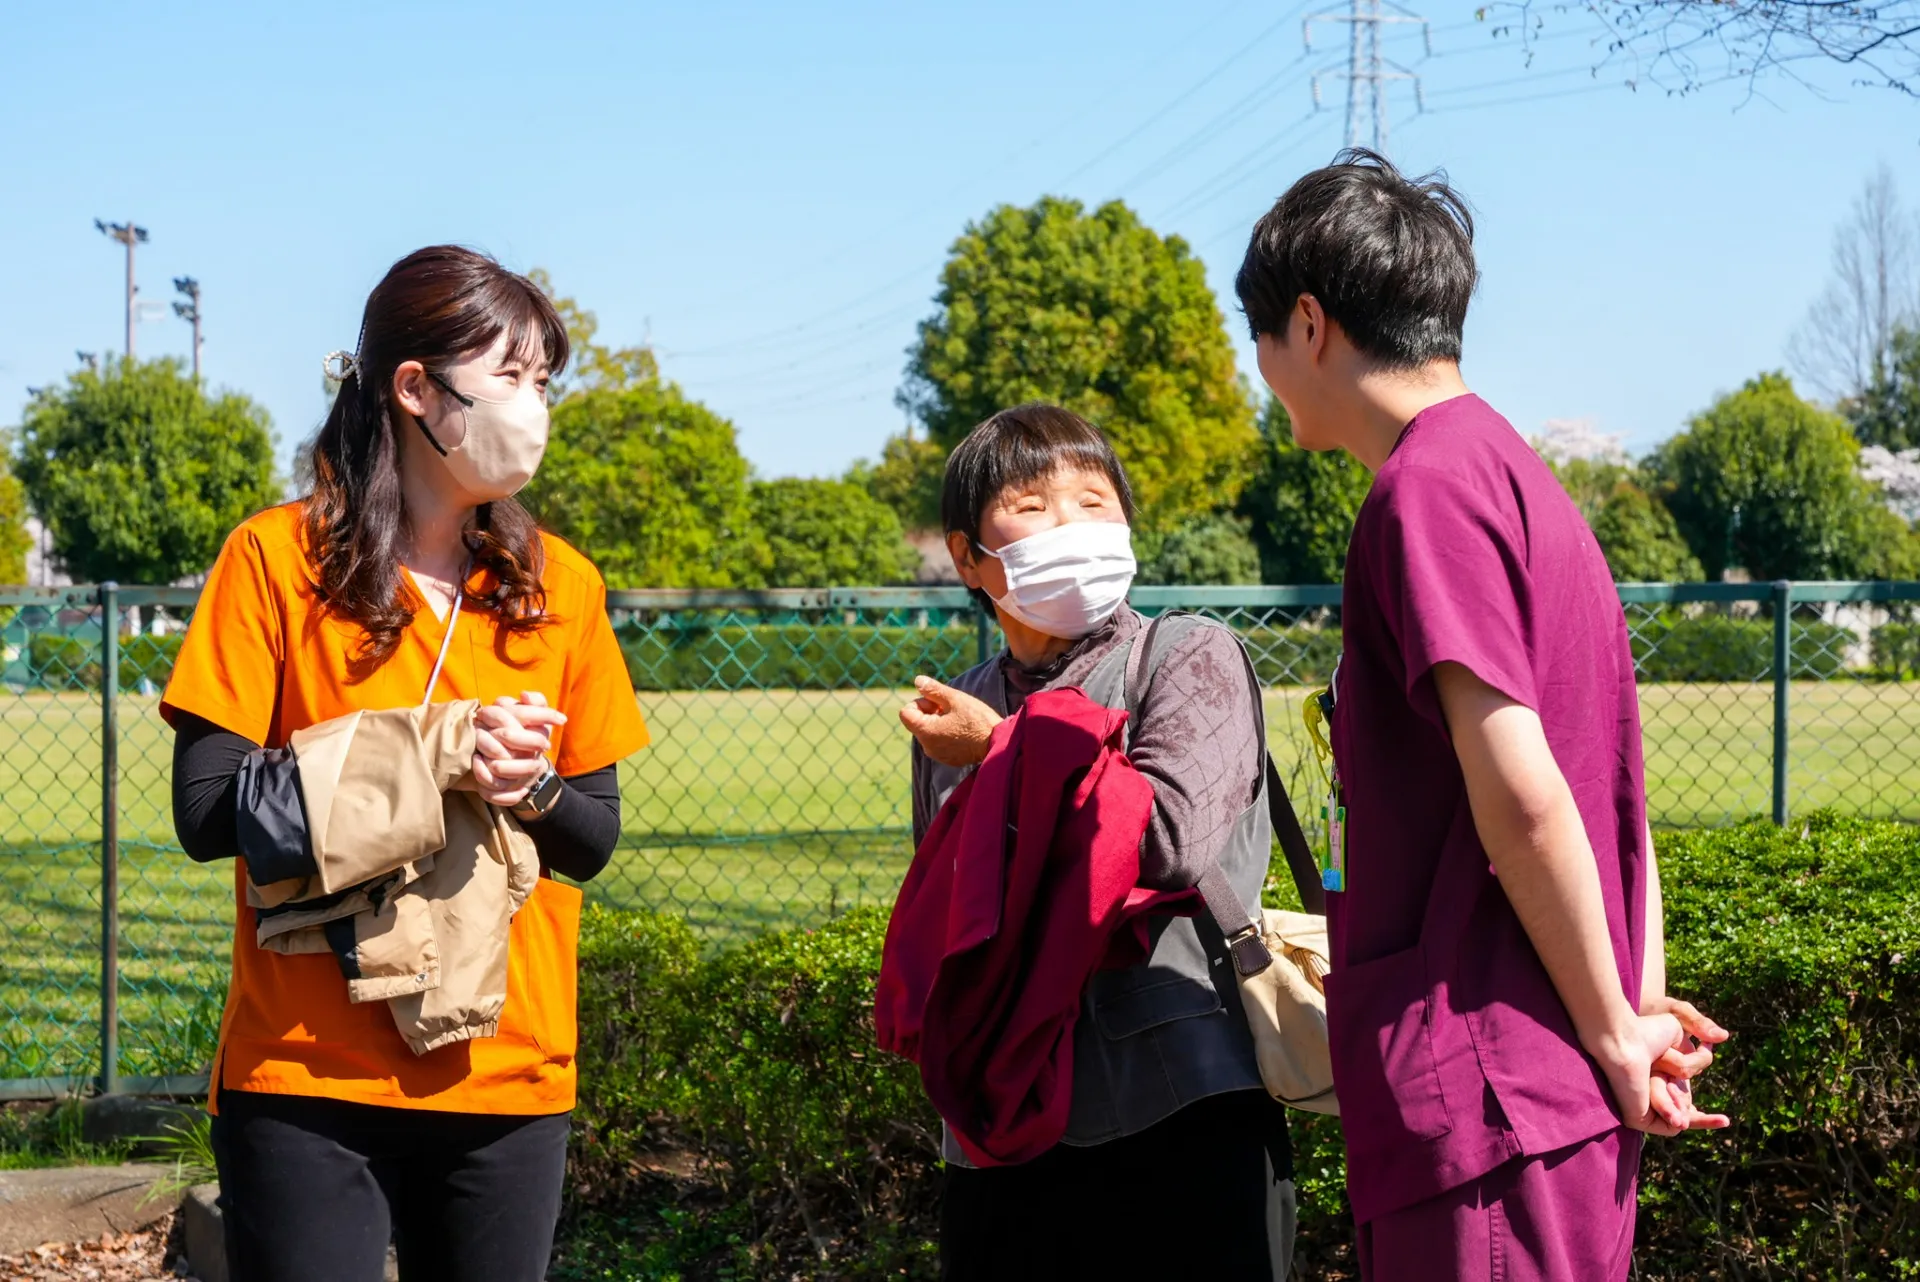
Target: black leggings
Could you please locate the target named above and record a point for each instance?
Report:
(313, 1189)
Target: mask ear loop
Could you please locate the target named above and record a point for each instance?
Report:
(465, 401)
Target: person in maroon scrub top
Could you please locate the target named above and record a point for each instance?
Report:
(1502, 1035)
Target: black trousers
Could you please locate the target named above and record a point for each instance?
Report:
(312, 1190)
(1189, 1197)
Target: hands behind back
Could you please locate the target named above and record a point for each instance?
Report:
(953, 728)
(1685, 1057)
(511, 738)
(1650, 1064)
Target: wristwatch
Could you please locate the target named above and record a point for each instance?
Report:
(541, 796)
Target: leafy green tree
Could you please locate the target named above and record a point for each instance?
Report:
(1590, 483)
(1633, 528)
(1887, 411)
(139, 474)
(1215, 548)
(1892, 545)
(1641, 542)
(829, 534)
(594, 366)
(14, 540)
(1766, 481)
(1099, 314)
(907, 479)
(652, 486)
(1302, 504)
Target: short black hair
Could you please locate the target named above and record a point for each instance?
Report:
(1390, 258)
(1019, 446)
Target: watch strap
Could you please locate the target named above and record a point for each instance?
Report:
(542, 796)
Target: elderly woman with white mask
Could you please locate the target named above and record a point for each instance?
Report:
(1168, 1113)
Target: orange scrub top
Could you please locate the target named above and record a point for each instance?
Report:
(263, 659)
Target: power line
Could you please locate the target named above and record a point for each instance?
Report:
(1191, 90)
(1243, 170)
(1502, 43)
(1158, 58)
(804, 328)
(1531, 79)
(1451, 108)
(1189, 146)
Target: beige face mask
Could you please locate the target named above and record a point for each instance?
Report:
(502, 444)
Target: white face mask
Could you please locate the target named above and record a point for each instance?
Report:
(502, 444)
(1069, 580)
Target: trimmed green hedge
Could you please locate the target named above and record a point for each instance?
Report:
(1896, 650)
(805, 656)
(1294, 656)
(1806, 943)
(1714, 647)
(800, 1149)
(62, 662)
(1669, 646)
(792, 656)
(735, 1120)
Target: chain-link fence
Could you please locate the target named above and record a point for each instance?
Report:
(775, 792)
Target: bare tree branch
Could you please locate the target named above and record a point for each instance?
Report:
(1682, 45)
(1848, 332)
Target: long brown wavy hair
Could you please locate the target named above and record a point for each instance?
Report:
(437, 306)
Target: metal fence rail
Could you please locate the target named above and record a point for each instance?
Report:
(775, 792)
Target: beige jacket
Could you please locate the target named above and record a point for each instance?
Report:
(418, 878)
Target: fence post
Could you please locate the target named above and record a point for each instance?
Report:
(109, 838)
(1782, 687)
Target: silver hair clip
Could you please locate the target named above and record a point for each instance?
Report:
(340, 366)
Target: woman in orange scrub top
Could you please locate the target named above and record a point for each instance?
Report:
(409, 573)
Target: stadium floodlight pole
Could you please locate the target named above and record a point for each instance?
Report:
(129, 235)
(190, 311)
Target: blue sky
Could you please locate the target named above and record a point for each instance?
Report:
(765, 192)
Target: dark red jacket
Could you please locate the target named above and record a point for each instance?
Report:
(1025, 885)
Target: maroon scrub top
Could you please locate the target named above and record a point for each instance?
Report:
(1452, 1052)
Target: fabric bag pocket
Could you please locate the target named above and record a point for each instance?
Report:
(1127, 1003)
(1380, 1035)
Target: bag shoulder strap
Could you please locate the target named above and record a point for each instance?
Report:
(1224, 904)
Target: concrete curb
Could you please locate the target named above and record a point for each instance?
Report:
(76, 1203)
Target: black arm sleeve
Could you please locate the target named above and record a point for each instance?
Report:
(206, 787)
(577, 837)
(233, 797)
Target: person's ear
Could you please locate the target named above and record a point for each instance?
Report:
(410, 388)
(1311, 326)
(962, 553)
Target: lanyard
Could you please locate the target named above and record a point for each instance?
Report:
(446, 642)
(1332, 856)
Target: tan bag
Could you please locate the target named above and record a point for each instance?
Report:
(1286, 1003)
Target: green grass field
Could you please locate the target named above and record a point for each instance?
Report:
(750, 810)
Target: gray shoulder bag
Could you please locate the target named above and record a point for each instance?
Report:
(1279, 957)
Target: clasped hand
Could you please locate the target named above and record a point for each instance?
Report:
(1651, 1063)
(510, 742)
